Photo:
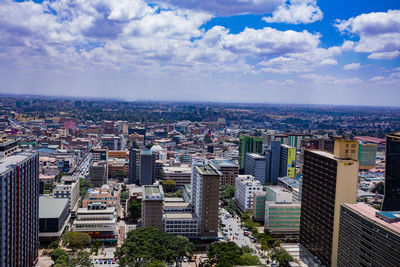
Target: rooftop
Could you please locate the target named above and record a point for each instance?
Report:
(329, 155)
(208, 170)
(179, 169)
(12, 160)
(51, 207)
(256, 156)
(370, 213)
(179, 216)
(152, 192)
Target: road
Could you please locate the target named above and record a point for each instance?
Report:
(240, 239)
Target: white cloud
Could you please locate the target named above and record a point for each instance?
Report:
(379, 33)
(296, 12)
(224, 7)
(352, 66)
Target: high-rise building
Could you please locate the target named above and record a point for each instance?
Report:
(287, 161)
(19, 209)
(255, 166)
(147, 167)
(294, 139)
(368, 237)
(99, 153)
(180, 174)
(112, 142)
(229, 170)
(246, 186)
(134, 166)
(391, 200)
(98, 173)
(248, 144)
(366, 156)
(152, 206)
(272, 166)
(205, 197)
(329, 180)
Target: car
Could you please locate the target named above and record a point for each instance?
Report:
(184, 259)
(237, 234)
(109, 261)
(247, 233)
(96, 261)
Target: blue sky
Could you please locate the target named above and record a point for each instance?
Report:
(263, 51)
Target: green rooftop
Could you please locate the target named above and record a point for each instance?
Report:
(208, 170)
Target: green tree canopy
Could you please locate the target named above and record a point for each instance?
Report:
(135, 210)
(169, 185)
(84, 186)
(227, 192)
(76, 240)
(150, 245)
(281, 256)
(227, 254)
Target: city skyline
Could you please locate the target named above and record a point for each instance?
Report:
(308, 52)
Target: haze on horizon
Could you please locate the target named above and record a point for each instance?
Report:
(255, 51)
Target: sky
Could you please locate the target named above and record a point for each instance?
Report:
(247, 51)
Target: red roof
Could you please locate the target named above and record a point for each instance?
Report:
(370, 139)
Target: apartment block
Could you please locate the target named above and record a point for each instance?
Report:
(246, 186)
(329, 180)
(68, 189)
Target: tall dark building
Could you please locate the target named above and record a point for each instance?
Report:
(147, 167)
(329, 180)
(134, 165)
(391, 200)
(273, 159)
(368, 237)
(19, 209)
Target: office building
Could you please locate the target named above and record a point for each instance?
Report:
(366, 156)
(255, 166)
(180, 174)
(53, 217)
(99, 154)
(104, 195)
(229, 170)
(282, 215)
(68, 189)
(98, 173)
(152, 206)
(293, 185)
(368, 237)
(134, 166)
(287, 161)
(97, 220)
(329, 180)
(391, 200)
(246, 185)
(178, 218)
(258, 211)
(7, 146)
(272, 163)
(147, 167)
(249, 144)
(19, 209)
(112, 142)
(294, 139)
(205, 198)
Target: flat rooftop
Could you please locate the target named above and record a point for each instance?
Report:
(51, 207)
(103, 211)
(208, 170)
(369, 213)
(180, 169)
(256, 156)
(277, 189)
(184, 216)
(12, 160)
(174, 199)
(329, 155)
(176, 204)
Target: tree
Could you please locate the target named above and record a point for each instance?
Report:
(150, 245)
(82, 259)
(96, 246)
(61, 254)
(249, 259)
(84, 186)
(123, 187)
(224, 254)
(281, 256)
(135, 210)
(124, 196)
(149, 145)
(227, 192)
(76, 240)
(53, 245)
(169, 185)
(246, 215)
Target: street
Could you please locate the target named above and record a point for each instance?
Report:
(240, 239)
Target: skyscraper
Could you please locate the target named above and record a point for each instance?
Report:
(147, 167)
(287, 161)
(391, 200)
(255, 166)
(205, 197)
(134, 165)
(329, 180)
(248, 144)
(273, 159)
(19, 209)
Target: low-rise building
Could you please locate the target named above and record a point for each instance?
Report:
(99, 221)
(68, 189)
(53, 217)
(246, 185)
(180, 174)
(104, 196)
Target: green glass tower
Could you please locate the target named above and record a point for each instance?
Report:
(249, 144)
